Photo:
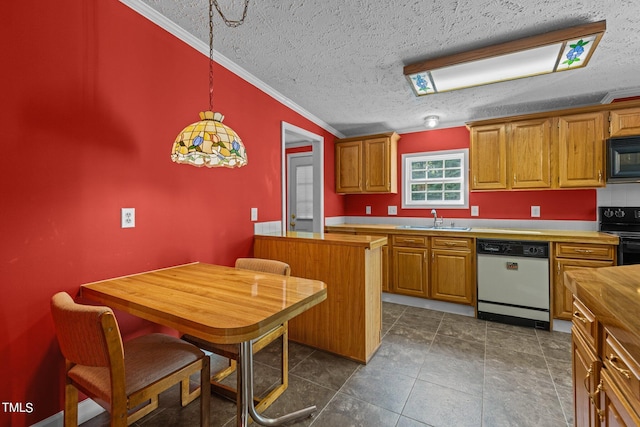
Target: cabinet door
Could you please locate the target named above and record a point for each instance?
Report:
(562, 297)
(451, 276)
(377, 164)
(529, 145)
(615, 409)
(586, 368)
(349, 167)
(624, 122)
(410, 271)
(488, 151)
(581, 147)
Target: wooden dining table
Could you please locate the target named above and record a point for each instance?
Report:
(216, 303)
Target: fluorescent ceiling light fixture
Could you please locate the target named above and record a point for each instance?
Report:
(559, 50)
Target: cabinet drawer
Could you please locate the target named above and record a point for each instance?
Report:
(411, 241)
(450, 243)
(584, 251)
(621, 366)
(585, 321)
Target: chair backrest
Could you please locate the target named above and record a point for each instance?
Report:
(264, 265)
(88, 335)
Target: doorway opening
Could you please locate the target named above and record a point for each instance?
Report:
(302, 180)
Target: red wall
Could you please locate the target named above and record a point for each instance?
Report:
(93, 97)
(554, 204)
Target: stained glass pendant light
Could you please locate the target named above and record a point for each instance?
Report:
(209, 142)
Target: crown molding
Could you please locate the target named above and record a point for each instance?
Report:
(168, 25)
(619, 94)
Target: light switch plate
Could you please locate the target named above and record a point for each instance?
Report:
(535, 211)
(392, 210)
(254, 214)
(475, 210)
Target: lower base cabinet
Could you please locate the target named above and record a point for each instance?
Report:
(452, 270)
(606, 379)
(410, 271)
(586, 368)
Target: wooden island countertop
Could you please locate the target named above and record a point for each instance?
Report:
(366, 241)
(613, 295)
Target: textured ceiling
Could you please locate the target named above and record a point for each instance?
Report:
(342, 60)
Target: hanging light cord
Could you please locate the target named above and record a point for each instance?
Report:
(229, 23)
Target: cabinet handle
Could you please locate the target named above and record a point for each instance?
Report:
(578, 316)
(558, 267)
(475, 181)
(450, 243)
(600, 412)
(583, 251)
(589, 372)
(599, 176)
(613, 359)
(515, 180)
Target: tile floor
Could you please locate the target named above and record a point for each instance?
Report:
(432, 369)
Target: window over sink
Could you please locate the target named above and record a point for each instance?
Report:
(435, 179)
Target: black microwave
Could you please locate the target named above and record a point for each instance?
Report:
(623, 159)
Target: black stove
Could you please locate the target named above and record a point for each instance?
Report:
(625, 223)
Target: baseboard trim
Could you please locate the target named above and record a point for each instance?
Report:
(87, 409)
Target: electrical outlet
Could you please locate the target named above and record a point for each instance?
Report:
(367, 210)
(128, 217)
(254, 214)
(392, 210)
(475, 211)
(535, 211)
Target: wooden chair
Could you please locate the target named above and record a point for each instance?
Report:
(231, 351)
(126, 378)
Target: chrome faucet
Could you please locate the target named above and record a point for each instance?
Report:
(436, 221)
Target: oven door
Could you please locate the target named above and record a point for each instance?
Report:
(629, 251)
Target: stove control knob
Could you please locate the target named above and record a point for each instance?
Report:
(608, 213)
(619, 213)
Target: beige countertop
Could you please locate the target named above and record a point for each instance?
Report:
(368, 242)
(571, 236)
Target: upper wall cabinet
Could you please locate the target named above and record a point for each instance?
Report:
(367, 164)
(511, 155)
(581, 147)
(562, 149)
(488, 152)
(624, 122)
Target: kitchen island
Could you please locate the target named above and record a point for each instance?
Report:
(606, 345)
(348, 323)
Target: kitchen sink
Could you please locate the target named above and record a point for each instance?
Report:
(427, 227)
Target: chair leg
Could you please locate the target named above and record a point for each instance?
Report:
(205, 392)
(70, 405)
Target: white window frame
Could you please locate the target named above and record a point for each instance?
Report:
(407, 158)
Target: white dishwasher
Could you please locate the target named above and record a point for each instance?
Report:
(513, 282)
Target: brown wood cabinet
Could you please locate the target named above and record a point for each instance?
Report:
(605, 383)
(529, 146)
(571, 256)
(624, 122)
(581, 148)
(410, 265)
(488, 157)
(452, 270)
(367, 164)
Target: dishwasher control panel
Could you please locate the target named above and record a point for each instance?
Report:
(519, 248)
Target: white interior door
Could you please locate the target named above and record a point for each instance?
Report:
(300, 192)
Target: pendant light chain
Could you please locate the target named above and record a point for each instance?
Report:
(229, 23)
